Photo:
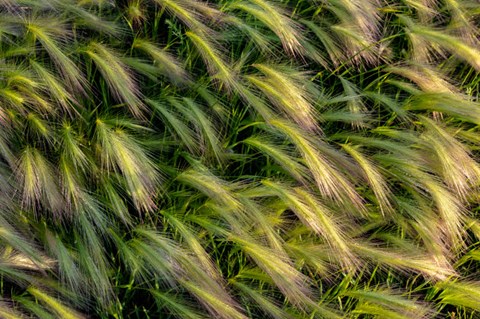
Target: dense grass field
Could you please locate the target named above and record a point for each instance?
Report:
(234, 159)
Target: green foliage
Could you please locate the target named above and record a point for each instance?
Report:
(239, 159)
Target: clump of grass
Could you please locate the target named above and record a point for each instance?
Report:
(239, 159)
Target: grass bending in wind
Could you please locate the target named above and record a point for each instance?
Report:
(239, 159)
